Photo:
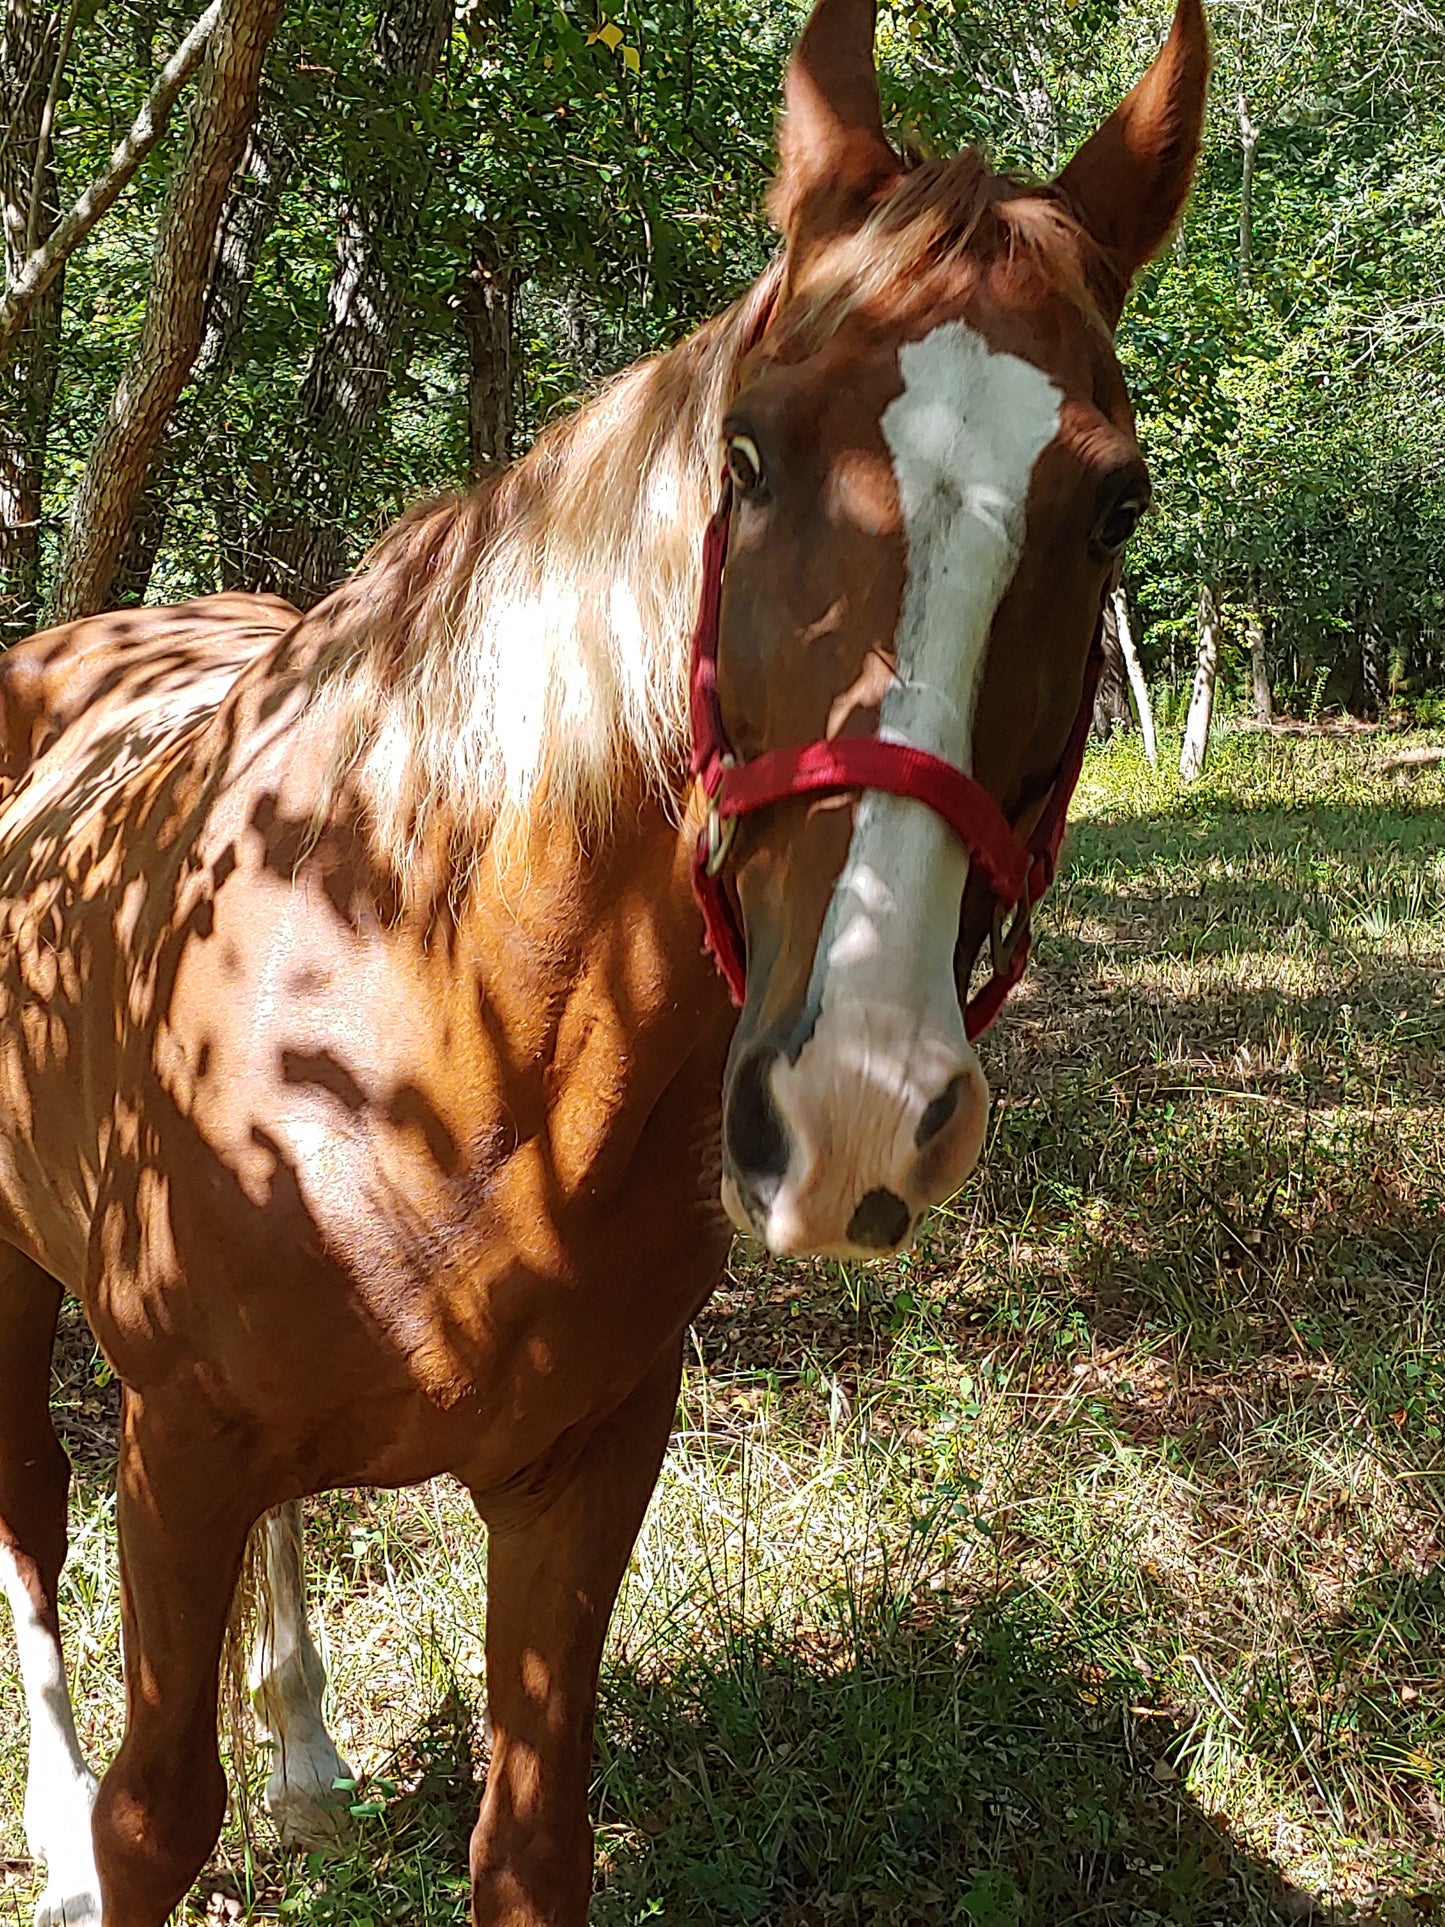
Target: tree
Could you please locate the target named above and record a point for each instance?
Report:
(246, 221)
(140, 408)
(1258, 663)
(573, 187)
(1124, 630)
(43, 259)
(1195, 747)
(485, 300)
(27, 381)
(1111, 698)
(302, 549)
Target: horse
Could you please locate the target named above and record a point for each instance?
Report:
(361, 1066)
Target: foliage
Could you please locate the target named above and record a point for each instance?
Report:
(617, 151)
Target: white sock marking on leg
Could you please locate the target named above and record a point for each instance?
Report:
(59, 1786)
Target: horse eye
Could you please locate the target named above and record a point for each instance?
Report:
(1117, 526)
(745, 465)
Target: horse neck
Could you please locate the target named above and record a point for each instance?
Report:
(597, 996)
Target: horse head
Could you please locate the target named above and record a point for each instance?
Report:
(932, 471)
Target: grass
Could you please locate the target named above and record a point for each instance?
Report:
(1083, 1566)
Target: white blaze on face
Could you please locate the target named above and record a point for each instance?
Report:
(964, 435)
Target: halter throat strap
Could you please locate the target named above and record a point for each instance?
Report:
(1018, 872)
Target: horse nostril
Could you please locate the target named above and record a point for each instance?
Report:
(756, 1141)
(880, 1222)
(937, 1114)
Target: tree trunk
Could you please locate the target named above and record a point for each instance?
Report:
(1111, 700)
(223, 113)
(29, 73)
(485, 302)
(1258, 665)
(1201, 701)
(1374, 663)
(301, 551)
(1249, 147)
(1124, 629)
(247, 219)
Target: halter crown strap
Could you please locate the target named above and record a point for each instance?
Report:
(1018, 873)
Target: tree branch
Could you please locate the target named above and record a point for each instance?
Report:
(126, 441)
(68, 233)
(47, 126)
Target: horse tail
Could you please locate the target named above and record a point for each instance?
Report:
(252, 1611)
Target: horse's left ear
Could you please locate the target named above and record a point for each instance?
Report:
(1130, 180)
(833, 157)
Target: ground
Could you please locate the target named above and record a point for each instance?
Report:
(1081, 1567)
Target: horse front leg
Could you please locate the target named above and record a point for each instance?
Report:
(551, 1584)
(185, 1503)
(287, 1684)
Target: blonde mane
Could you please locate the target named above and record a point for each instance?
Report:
(528, 641)
(526, 644)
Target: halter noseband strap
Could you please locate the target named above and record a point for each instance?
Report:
(1018, 873)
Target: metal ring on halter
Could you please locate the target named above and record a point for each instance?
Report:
(720, 829)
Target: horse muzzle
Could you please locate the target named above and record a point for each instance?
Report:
(837, 1150)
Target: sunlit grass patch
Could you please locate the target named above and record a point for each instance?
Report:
(1084, 1565)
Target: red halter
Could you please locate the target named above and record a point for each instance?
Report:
(1018, 873)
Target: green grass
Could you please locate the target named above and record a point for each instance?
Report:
(1083, 1566)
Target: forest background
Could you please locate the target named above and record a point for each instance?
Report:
(375, 248)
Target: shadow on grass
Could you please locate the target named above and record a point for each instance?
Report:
(904, 1769)
(916, 1770)
(931, 1764)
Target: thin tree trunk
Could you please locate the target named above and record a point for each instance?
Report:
(1258, 665)
(29, 78)
(301, 551)
(1111, 700)
(1374, 663)
(121, 454)
(38, 223)
(247, 219)
(1249, 147)
(1124, 629)
(1201, 702)
(485, 302)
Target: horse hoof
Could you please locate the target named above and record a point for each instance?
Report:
(310, 1819)
(69, 1903)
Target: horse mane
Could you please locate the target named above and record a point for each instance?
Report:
(527, 642)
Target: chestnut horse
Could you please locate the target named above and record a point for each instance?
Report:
(362, 1069)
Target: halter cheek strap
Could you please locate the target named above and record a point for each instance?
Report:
(1018, 873)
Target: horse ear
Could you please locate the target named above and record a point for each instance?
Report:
(1129, 181)
(833, 158)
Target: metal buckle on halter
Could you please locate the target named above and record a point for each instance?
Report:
(1010, 929)
(719, 830)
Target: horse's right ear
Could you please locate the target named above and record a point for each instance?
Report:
(833, 159)
(1129, 181)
